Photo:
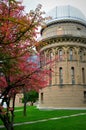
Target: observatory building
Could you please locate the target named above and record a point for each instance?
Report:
(63, 41)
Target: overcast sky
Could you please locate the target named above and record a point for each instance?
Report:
(47, 5)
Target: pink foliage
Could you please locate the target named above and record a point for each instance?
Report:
(18, 70)
(18, 32)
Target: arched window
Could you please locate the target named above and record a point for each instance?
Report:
(71, 54)
(83, 75)
(80, 54)
(72, 75)
(51, 55)
(60, 55)
(56, 55)
(41, 59)
(60, 75)
(50, 77)
(47, 57)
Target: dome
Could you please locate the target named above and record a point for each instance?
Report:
(66, 13)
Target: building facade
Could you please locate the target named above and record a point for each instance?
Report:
(63, 41)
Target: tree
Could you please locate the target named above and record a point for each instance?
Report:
(18, 33)
(31, 96)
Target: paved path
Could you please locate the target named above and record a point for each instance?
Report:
(44, 120)
(18, 110)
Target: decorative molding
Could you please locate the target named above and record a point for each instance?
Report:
(57, 40)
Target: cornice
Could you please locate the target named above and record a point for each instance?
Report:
(59, 41)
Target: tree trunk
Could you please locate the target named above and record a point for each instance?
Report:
(25, 102)
(6, 122)
(8, 119)
(12, 112)
(9, 126)
(25, 105)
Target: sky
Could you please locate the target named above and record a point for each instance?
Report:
(47, 5)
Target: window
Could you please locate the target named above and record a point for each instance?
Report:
(42, 96)
(51, 55)
(60, 55)
(84, 94)
(85, 97)
(80, 53)
(72, 75)
(78, 28)
(59, 31)
(41, 59)
(50, 77)
(60, 75)
(47, 58)
(83, 75)
(71, 54)
(59, 28)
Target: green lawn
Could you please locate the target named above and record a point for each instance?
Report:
(34, 114)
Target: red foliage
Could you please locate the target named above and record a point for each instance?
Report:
(17, 37)
(18, 32)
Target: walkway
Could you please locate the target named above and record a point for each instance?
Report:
(44, 120)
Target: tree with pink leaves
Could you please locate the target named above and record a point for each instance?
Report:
(18, 32)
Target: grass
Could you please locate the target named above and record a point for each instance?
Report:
(34, 114)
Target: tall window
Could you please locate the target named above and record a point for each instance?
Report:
(71, 55)
(60, 75)
(84, 96)
(83, 75)
(51, 55)
(47, 58)
(72, 75)
(42, 59)
(80, 53)
(42, 96)
(50, 77)
(60, 55)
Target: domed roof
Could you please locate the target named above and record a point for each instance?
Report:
(66, 13)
